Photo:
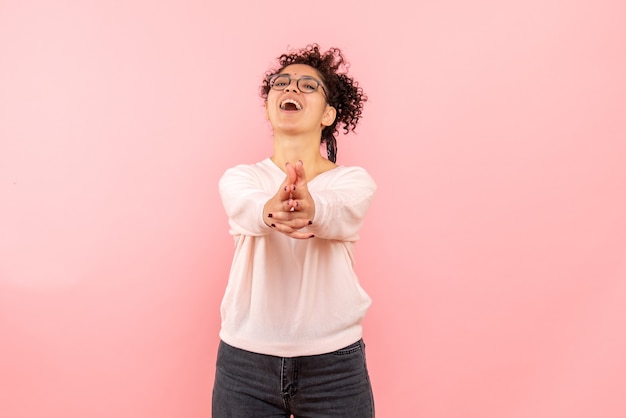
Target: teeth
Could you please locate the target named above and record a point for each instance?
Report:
(284, 102)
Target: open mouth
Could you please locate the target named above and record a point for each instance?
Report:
(290, 104)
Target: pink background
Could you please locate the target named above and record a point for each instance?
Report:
(495, 250)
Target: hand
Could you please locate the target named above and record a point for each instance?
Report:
(292, 207)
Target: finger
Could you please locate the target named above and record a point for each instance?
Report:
(290, 225)
(293, 233)
(299, 171)
(301, 235)
(292, 177)
(292, 205)
(288, 205)
(285, 216)
(286, 189)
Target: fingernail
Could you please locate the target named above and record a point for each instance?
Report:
(269, 215)
(310, 222)
(273, 226)
(311, 236)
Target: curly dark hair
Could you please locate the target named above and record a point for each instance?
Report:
(344, 94)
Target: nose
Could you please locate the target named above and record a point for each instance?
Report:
(293, 86)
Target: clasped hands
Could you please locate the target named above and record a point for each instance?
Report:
(292, 207)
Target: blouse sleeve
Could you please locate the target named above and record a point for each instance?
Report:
(341, 205)
(243, 198)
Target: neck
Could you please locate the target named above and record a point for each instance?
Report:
(305, 148)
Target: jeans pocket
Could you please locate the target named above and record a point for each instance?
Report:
(352, 348)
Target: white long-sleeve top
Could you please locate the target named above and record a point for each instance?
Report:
(293, 297)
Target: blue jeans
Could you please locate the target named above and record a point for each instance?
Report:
(327, 385)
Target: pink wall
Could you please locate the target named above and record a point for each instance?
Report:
(495, 251)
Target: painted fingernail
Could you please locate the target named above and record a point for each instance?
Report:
(273, 226)
(311, 236)
(310, 222)
(269, 215)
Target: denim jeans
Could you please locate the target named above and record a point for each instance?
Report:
(327, 385)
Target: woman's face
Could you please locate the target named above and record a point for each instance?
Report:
(297, 108)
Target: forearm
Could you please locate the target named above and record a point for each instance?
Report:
(243, 201)
(340, 215)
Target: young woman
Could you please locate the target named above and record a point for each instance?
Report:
(291, 335)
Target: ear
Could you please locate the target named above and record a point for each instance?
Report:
(329, 115)
(267, 114)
